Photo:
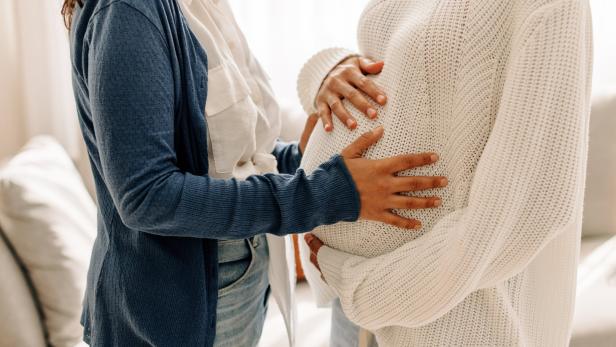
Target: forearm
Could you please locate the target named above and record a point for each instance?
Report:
(231, 209)
(418, 283)
(132, 97)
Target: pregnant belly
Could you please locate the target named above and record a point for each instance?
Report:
(368, 238)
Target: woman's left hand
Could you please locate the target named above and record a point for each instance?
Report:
(315, 245)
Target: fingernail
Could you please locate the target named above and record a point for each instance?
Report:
(444, 182)
(437, 202)
(381, 99)
(434, 157)
(417, 226)
(371, 113)
(378, 129)
(350, 123)
(328, 128)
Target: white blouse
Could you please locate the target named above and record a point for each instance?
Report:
(244, 122)
(243, 116)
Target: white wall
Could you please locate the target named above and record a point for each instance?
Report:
(604, 23)
(284, 34)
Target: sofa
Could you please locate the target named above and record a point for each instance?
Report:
(595, 317)
(48, 224)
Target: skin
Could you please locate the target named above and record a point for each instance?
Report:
(315, 245)
(380, 187)
(377, 181)
(347, 81)
(311, 123)
(378, 184)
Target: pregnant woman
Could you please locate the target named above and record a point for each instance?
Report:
(500, 89)
(186, 189)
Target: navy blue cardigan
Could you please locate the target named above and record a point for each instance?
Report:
(140, 81)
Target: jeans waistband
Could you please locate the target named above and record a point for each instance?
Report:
(233, 250)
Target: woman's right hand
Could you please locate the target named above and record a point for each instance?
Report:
(347, 81)
(379, 186)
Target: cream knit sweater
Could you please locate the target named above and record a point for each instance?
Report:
(500, 89)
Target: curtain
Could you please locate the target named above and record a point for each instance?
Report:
(35, 76)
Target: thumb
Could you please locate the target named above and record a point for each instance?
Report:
(370, 67)
(359, 146)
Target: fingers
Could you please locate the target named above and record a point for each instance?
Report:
(369, 87)
(325, 114)
(415, 183)
(368, 66)
(315, 244)
(400, 222)
(356, 98)
(359, 146)
(408, 161)
(341, 112)
(414, 203)
(348, 81)
(314, 260)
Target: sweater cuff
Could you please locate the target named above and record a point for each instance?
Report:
(331, 262)
(288, 156)
(315, 71)
(297, 153)
(322, 293)
(345, 197)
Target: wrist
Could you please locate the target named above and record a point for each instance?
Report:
(348, 178)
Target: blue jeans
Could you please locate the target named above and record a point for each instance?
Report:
(344, 333)
(243, 289)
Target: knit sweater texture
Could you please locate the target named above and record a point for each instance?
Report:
(140, 79)
(500, 90)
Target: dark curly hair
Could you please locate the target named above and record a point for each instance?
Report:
(67, 11)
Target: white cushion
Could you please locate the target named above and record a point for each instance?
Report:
(50, 219)
(600, 204)
(595, 313)
(20, 323)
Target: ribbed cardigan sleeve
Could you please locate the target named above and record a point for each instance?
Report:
(288, 157)
(527, 189)
(131, 91)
